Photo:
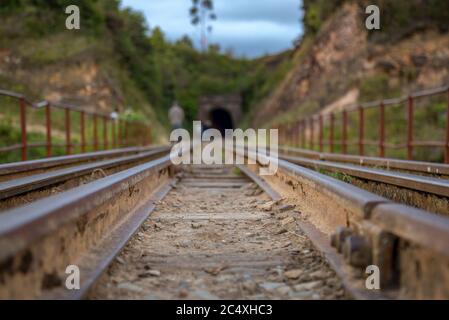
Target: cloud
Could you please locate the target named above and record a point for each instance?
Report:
(248, 27)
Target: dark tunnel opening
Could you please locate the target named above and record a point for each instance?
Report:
(221, 120)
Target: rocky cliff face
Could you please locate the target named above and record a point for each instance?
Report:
(340, 66)
(80, 80)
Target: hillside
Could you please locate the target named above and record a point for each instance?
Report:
(114, 63)
(338, 62)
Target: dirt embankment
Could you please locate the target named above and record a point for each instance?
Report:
(341, 65)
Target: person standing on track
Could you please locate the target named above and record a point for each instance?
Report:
(176, 116)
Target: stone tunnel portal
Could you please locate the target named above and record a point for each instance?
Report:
(221, 120)
(220, 112)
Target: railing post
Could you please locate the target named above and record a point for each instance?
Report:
(311, 133)
(23, 128)
(144, 135)
(321, 128)
(361, 131)
(281, 129)
(447, 131)
(332, 132)
(105, 133)
(114, 136)
(126, 133)
(67, 131)
(296, 126)
(292, 134)
(150, 137)
(382, 130)
(298, 134)
(410, 128)
(120, 133)
(83, 131)
(284, 129)
(303, 135)
(48, 125)
(345, 132)
(95, 133)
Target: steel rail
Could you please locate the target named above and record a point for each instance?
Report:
(85, 226)
(419, 183)
(406, 165)
(47, 163)
(27, 184)
(369, 230)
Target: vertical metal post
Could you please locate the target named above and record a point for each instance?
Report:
(23, 128)
(83, 131)
(382, 130)
(321, 128)
(150, 137)
(297, 133)
(114, 136)
(144, 135)
(345, 132)
(303, 134)
(410, 128)
(126, 133)
(331, 139)
(311, 133)
(447, 131)
(95, 133)
(67, 131)
(105, 133)
(281, 134)
(48, 125)
(120, 133)
(361, 131)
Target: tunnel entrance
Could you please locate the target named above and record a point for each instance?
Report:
(221, 120)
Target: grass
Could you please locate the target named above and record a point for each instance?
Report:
(44, 51)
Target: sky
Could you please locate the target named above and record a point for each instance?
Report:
(250, 28)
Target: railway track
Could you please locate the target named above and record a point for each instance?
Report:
(26, 185)
(213, 237)
(211, 232)
(15, 170)
(384, 177)
(418, 167)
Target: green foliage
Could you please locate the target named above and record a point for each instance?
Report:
(316, 12)
(398, 17)
(150, 70)
(403, 17)
(374, 88)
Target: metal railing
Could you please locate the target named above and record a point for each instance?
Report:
(118, 136)
(309, 133)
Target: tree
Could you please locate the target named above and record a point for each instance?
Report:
(202, 13)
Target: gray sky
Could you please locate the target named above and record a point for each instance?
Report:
(250, 27)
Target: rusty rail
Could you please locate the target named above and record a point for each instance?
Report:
(419, 183)
(308, 137)
(425, 168)
(23, 185)
(87, 226)
(408, 245)
(142, 130)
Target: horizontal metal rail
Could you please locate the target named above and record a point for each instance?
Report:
(371, 230)
(310, 132)
(116, 129)
(54, 162)
(419, 183)
(387, 163)
(23, 185)
(87, 226)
